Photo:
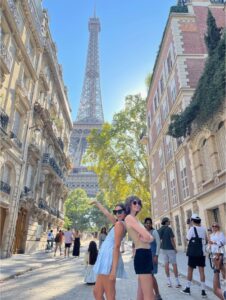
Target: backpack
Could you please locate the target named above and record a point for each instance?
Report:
(57, 238)
(195, 246)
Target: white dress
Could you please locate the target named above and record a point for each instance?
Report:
(90, 276)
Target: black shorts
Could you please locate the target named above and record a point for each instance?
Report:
(67, 245)
(196, 261)
(143, 261)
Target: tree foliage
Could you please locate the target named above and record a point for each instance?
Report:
(209, 94)
(213, 33)
(118, 157)
(80, 215)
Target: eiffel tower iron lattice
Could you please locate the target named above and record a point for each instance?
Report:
(90, 116)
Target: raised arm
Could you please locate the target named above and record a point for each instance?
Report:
(110, 217)
(145, 236)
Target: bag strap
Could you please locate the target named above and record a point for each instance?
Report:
(196, 233)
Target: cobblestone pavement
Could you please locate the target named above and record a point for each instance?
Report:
(63, 280)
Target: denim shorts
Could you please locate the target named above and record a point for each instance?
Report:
(169, 256)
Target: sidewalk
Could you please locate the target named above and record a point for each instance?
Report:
(182, 260)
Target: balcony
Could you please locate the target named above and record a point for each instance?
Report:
(42, 204)
(47, 160)
(15, 139)
(4, 120)
(5, 187)
(53, 211)
(6, 59)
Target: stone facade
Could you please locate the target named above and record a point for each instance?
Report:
(178, 182)
(35, 126)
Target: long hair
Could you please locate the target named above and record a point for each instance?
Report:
(93, 252)
(129, 201)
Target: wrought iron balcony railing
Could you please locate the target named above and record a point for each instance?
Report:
(4, 120)
(43, 205)
(5, 187)
(52, 162)
(6, 57)
(15, 138)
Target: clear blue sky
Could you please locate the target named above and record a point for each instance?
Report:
(131, 32)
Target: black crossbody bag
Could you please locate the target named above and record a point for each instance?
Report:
(195, 245)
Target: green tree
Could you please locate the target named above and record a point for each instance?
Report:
(80, 215)
(213, 33)
(118, 157)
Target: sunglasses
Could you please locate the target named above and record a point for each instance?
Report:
(215, 226)
(135, 202)
(118, 211)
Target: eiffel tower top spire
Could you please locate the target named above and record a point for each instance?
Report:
(90, 108)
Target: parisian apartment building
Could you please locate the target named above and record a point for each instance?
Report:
(187, 175)
(35, 126)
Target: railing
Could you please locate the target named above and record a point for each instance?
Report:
(15, 13)
(61, 143)
(15, 138)
(5, 187)
(4, 120)
(6, 56)
(54, 211)
(52, 162)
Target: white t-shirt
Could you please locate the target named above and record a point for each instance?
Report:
(201, 231)
(68, 237)
(219, 239)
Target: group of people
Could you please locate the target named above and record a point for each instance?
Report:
(68, 237)
(106, 264)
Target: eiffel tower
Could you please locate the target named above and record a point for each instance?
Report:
(90, 116)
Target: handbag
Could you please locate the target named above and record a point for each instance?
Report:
(195, 245)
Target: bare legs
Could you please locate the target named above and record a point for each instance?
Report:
(145, 287)
(104, 286)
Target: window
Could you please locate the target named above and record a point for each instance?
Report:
(6, 172)
(149, 120)
(205, 159)
(168, 146)
(169, 62)
(165, 108)
(161, 161)
(173, 92)
(161, 85)
(164, 195)
(29, 179)
(158, 123)
(178, 232)
(16, 123)
(184, 178)
(221, 145)
(173, 187)
(156, 102)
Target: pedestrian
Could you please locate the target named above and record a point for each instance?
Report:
(216, 242)
(90, 259)
(155, 249)
(77, 244)
(143, 257)
(58, 242)
(169, 251)
(50, 240)
(197, 238)
(109, 264)
(218, 262)
(68, 238)
(102, 235)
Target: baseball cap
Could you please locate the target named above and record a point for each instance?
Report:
(164, 220)
(195, 217)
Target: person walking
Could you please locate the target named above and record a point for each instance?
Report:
(143, 257)
(197, 238)
(102, 236)
(169, 251)
(58, 242)
(90, 259)
(77, 244)
(68, 238)
(50, 240)
(109, 264)
(155, 249)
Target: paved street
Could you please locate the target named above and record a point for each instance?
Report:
(63, 279)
